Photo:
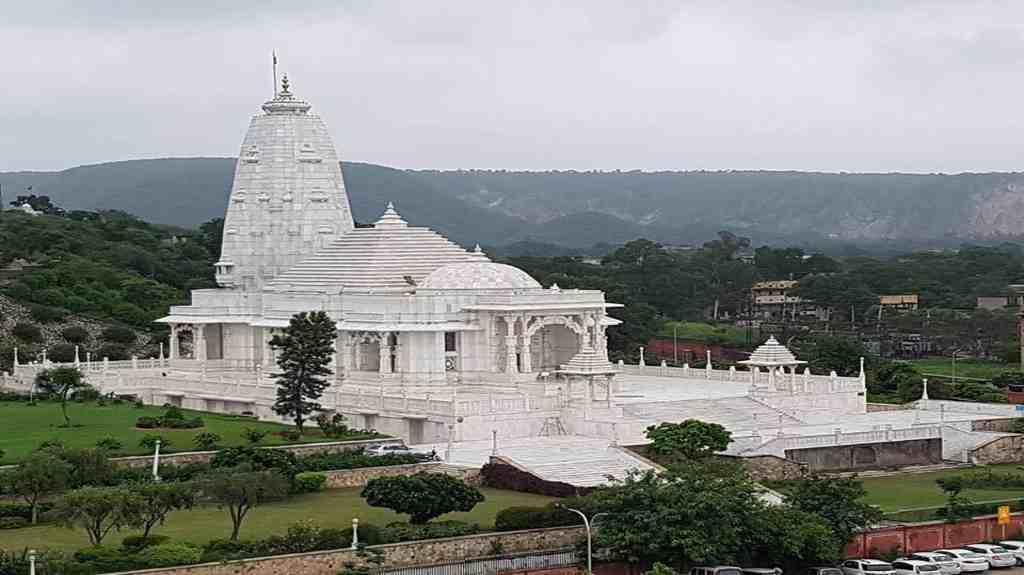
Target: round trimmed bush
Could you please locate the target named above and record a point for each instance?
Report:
(27, 332)
(75, 334)
(113, 351)
(61, 353)
(118, 334)
(47, 314)
(309, 482)
(13, 522)
(170, 554)
(137, 542)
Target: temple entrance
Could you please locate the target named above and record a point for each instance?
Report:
(214, 333)
(552, 346)
(368, 355)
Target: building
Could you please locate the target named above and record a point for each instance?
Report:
(453, 352)
(778, 300)
(992, 303)
(900, 303)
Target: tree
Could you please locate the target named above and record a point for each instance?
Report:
(1008, 378)
(61, 381)
(841, 354)
(838, 500)
(422, 496)
(677, 517)
(159, 499)
(692, 439)
(207, 440)
(240, 489)
(790, 538)
(99, 510)
(304, 352)
(40, 475)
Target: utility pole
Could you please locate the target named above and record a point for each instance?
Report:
(675, 344)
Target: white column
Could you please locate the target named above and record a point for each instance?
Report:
(199, 339)
(527, 361)
(385, 353)
(510, 345)
(346, 352)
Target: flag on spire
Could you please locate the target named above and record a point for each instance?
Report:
(273, 54)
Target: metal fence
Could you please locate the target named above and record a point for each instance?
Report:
(492, 565)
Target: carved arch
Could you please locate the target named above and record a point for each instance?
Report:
(562, 320)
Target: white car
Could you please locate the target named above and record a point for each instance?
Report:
(996, 555)
(915, 567)
(969, 561)
(947, 566)
(867, 567)
(1015, 547)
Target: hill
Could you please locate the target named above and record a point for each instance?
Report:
(579, 209)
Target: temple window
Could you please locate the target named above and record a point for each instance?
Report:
(450, 341)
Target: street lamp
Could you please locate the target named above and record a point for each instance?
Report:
(587, 523)
(156, 461)
(955, 351)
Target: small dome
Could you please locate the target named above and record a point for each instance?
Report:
(478, 275)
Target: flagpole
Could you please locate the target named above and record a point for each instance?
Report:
(274, 53)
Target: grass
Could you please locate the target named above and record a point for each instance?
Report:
(913, 490)
(705, 332)
(331, 508)
(24, 427)
(975, 368)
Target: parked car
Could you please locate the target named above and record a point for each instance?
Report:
(385, 449)
(969, 561)
(867, 567)
(716, 570)
(946, 564)
(762, 571)
(997, 556)
(915, 567)
(1015, 547)
(824, 571)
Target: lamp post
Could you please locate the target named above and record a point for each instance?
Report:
(355, 533)
(587, 523)
(675, 345)
(955, 351)
(156, 461)
(32, 562)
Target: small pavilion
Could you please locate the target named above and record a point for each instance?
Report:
(775, 358)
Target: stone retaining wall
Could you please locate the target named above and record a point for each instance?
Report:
(394, 555)
(359, 477)
(298, 449)
(1003, 424)
(772, 468)
(876, 407)
(1007, 449)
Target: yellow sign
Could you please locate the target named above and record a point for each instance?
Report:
(1004, 514)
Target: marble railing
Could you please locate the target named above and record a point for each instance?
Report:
(781, 444)
(804, 381)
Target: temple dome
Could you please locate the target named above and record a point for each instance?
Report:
(478, 275)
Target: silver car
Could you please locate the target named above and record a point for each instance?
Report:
(946, 565)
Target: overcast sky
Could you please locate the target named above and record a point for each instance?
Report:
(825, 85)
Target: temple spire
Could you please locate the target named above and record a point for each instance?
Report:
(274, 58)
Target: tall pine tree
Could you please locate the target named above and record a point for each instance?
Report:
(304, 352)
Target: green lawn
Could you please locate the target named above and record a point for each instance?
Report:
(331, 508)
(705, 332)
(912, 490)
(977, 368)
(23, 427)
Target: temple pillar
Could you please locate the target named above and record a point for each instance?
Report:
(268, 352)
(385, 352)
(173, 341)
(526, 363)
(510, 345)
(345, 353)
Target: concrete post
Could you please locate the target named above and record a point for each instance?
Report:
(156, 461)
(355, 533)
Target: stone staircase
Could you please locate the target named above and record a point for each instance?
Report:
(735, 413)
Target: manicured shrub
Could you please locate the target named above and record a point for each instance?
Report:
(173, 412)
(308, 482)
(422, 496)
(75, 334)
(61, 353)
(253, 436)
(118, 334)
(206, 441)
(109, 443)
(133, 543)
(47, 314)
(170, 554)
(105, 559)
(27, 332)
(227, 549)
(525, 517)
(399, 532)
(13, 522)
(150, 439)
(147, 422)
(278, 460)
(112, 351)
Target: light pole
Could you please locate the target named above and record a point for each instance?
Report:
(32, 562)
(675, 345)
(156, 461)
(587, 523)
(955, 351)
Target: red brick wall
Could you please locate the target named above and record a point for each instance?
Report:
(933, 535)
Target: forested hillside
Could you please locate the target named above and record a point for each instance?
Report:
(578, 209)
